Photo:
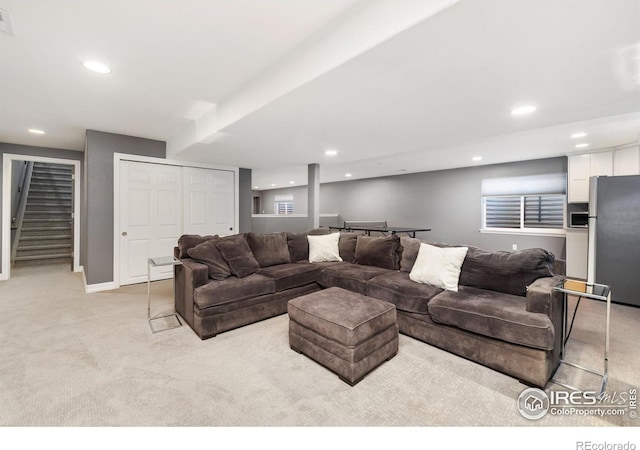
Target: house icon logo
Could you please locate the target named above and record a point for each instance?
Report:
(533, 403)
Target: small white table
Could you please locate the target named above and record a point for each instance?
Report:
(593, 292)
(159, 261)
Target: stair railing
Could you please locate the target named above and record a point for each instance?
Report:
(23, 195)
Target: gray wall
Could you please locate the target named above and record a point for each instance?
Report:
(18, 171)
(37, 151)
(447, 201)
(300, 199)
(97, 223)
(245, 201)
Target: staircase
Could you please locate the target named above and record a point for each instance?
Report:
(45, 233)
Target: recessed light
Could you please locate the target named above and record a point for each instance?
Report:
(476, 158)
(273, 185)
(523, 109)
(331, 152)
(96, 66)
(578, 135)
(35, 131)
(347, 175)
(582, 145)
(256, 187)
(292, 182)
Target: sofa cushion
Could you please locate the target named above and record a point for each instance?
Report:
(292, 275)
(493, 314)
(342, 316)
(188, 241)
(208, 254)
(438, 266)
(410, 248)
(381, 252)
(298, 247)
(508, 272)
(233, 289)
(347, 246)
(299, 244)
(352, 277)
(236, 251)
(269, 249)
(324, 248)
(397, 288)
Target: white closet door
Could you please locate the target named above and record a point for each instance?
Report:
(151, 206)
(209, 201)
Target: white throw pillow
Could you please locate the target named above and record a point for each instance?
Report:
(324, 248)
(438, 266)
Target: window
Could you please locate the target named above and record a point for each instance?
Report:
(283, 204)
(524, 212)
(284, 208)
(529, 204)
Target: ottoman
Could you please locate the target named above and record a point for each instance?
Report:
(346, 332)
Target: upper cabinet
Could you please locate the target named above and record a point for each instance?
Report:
(625, 161)
(578, 177)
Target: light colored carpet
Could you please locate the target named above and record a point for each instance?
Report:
(75, 359)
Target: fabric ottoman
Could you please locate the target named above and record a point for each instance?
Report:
(344, 331)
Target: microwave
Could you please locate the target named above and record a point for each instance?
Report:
(579, 219)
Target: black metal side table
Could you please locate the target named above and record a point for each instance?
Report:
(590, 291)
(159, 261)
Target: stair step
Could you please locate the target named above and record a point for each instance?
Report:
(48, 176)
(39, 228)
(47, 215)
(64, 242)
(34, 257)
(57, 185)
(44, 246)
(44, 237)
(50, 197)
(48, 209)
(49, 190)
(38, 262)
(43, 252)
(45, 220)
(52, 167)
(64, 204)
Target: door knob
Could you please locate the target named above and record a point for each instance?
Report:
(124, 233)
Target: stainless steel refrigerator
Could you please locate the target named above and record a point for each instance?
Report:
(614, 236)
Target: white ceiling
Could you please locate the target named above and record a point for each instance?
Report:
(395, 86)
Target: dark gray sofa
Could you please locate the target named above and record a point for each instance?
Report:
(505, 314)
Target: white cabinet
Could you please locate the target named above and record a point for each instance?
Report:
(581, 168)
(626, 161)
(577, 246)
(579, 173)
(601, 164)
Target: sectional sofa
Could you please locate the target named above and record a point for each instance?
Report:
(503, 312)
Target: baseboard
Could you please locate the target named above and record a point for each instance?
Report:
(90, 288)
(98, 287)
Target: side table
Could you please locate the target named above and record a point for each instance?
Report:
(590, 291)
(159, 261)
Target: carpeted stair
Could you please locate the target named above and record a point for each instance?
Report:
(46, 233)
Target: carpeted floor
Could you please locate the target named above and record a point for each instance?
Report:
(70, 359)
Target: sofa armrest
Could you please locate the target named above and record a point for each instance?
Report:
(188, 276)
(541, 298)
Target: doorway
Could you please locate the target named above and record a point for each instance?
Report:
(10, 162)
